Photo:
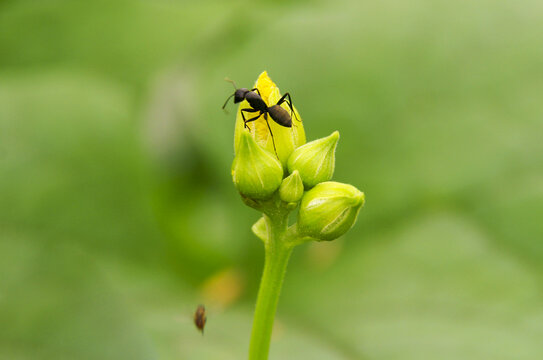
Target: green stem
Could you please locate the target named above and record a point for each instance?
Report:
(275, 265)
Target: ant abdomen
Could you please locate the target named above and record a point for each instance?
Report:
(280, 115)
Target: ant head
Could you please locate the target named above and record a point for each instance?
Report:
(239, 95)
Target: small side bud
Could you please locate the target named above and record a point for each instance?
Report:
(315, 160)
(291, 189)
(256, 173)
(329, 210)
(260, 229)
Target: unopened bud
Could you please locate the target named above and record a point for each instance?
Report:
(291, 189)
(256, 173)
(315, 160)
(329, 210)
(285, 139)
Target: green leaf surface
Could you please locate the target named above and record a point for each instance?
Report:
(437, 288)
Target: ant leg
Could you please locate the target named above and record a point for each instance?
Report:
(249, 110)
(253, 119)
(245, 121)
(291, 105)
(289, 102)
(283, 99)
(271, 133)
(258, 91)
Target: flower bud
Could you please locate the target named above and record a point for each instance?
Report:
(256, 173)
(328, 210)
(286, 138)
(315, 160)
(291, 189)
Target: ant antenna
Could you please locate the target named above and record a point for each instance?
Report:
(226, 102)
(235, 88)
(231, 81)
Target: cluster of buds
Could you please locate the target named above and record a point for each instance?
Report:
(295, 174)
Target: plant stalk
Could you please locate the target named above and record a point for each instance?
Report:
(277, 254)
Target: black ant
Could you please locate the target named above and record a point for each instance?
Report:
(254, 98)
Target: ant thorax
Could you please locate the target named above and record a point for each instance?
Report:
(256, 101)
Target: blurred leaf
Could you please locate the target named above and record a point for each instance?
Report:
(75, 170)
(59, 306)
(438, 288)
(511, 212)
(123, 39)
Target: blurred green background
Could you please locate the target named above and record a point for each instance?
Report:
(118, 215)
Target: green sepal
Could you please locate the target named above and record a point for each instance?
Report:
(261, 229)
